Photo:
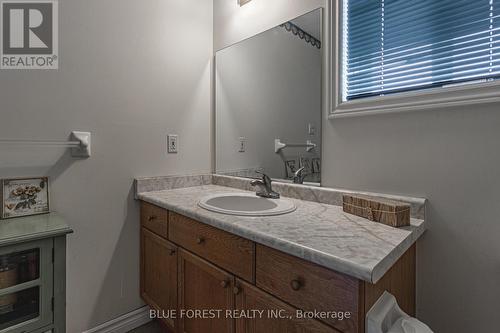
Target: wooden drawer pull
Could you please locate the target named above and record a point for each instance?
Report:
(200, 240)
(224, 284)
(296, 284)
(152, 217)
(236, 290)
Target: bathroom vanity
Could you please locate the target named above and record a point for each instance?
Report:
(313, 268)
(316, 260)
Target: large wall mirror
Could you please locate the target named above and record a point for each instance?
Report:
(268, 103)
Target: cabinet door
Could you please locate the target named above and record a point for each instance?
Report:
(203, 286)
(159, 274)
(266, 314)
(26, 286)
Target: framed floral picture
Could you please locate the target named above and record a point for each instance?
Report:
(306, 163)
(316, 165)
(24, 196)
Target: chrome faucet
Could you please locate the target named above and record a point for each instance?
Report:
(265, 188)
(299, 175)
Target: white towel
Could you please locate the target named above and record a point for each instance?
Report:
(409, 325)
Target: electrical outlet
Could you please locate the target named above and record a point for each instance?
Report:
(172, 143)
(242, 144)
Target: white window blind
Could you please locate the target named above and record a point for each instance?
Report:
(392, 46)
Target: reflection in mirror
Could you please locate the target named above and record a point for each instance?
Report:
(268, 103)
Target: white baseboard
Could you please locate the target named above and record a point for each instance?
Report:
(124, 323)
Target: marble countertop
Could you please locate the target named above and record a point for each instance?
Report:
(317, 232)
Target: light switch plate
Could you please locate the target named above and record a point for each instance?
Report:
(311, 129)
(172, 143)
(242, 144)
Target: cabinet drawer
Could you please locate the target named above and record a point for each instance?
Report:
(276, 316)
(154, 219)
(309, 287)
(232, 253)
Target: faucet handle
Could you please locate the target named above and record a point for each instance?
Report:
(299, 172)
(299, 176)
(266, 190)
(265, 178)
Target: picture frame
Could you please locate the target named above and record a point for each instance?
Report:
(24, 197)
(306, 163)
(316, 165)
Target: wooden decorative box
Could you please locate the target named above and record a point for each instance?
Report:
(393, 213)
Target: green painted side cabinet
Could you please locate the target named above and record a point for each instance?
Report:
(33, 274)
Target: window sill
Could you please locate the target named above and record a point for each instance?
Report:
(482, 93)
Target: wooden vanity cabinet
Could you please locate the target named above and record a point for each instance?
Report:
(159, 274)
(187, 266)
(202, 286)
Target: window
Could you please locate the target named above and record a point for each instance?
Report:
(394, 46)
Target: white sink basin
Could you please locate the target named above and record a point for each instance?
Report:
(246, 204)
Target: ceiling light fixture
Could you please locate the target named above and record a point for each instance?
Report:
(243, 2)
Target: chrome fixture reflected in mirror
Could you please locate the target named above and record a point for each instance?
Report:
(299, 175)
(268, 103)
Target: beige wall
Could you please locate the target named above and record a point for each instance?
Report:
(449, 156)
(130, 72)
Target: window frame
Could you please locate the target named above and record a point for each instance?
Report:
(450, 96)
